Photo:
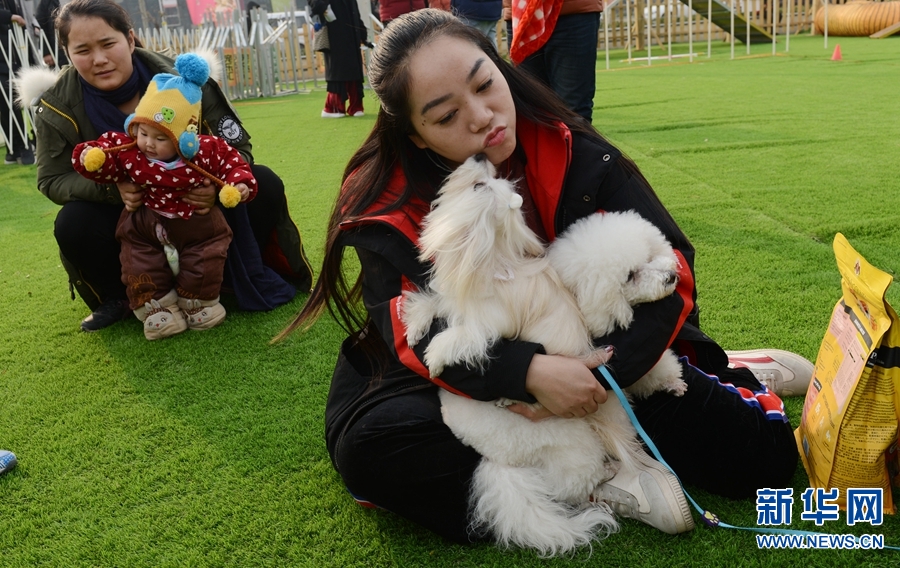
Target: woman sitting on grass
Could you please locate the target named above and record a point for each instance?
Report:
(108, 76)
(447, 95)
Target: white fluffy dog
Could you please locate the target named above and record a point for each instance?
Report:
(612, 262)
(491, 279)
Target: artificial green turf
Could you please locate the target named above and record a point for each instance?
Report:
(207, 449)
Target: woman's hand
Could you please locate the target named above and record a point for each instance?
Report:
(202, 199)
(132, 194)
(563, 385)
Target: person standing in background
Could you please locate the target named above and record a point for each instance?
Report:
(46, 12)
(18, 149)
(482, 15)
(560, 51)
(506, 16)
(390, 9)
(343, 61)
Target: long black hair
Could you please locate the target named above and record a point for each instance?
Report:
(389, 145)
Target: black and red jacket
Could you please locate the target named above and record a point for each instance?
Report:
(569, 175)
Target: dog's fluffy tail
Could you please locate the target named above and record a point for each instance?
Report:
(512, 504)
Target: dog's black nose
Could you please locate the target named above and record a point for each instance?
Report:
(480, 157)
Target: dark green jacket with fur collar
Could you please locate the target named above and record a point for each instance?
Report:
(61, 123)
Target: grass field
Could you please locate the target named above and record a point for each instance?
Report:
(207, 449)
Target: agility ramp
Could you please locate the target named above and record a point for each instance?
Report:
(721, 16)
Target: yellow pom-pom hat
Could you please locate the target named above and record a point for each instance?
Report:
(172, 104)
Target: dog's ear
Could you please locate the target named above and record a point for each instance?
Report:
(604, 305)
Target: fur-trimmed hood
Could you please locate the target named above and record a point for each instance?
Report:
(32, 82)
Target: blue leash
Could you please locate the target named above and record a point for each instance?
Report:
(708, 517)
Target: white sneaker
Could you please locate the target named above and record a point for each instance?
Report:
(359, 113)
(326, 114)
(783, 372)
(650, 494)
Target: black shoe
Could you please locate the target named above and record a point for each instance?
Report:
(11, 158)
(26, 156)
(109, 312)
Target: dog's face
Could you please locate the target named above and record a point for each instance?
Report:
(478, 218)
(644, 268)
(473, 188)
(650, 278)
(612, 262)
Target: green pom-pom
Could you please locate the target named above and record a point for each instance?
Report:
(229, 196)
(94, 159)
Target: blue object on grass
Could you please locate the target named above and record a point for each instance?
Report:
(7, 461)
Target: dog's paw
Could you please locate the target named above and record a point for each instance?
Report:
(598, 357)
(611, 468)
(435, 368)
(417, 312)
(677, 387)
(414, 336)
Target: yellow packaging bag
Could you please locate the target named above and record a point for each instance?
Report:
(850, 415)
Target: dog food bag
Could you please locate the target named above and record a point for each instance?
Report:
(848, 431)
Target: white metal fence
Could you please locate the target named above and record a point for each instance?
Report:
(272, 54)
(273, 57)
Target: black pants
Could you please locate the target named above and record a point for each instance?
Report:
(400, 456)
(86, 234)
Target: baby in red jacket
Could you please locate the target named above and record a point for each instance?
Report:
(172, 260)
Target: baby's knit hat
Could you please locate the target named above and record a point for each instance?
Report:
(172, 104)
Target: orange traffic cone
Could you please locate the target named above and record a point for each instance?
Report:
(836, 56)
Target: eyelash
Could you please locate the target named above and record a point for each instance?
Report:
(483, 87)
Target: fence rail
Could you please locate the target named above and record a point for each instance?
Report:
(275, 57)
(663, 19)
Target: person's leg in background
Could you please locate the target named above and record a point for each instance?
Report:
(355, 95)
(21, 152)
(568, 61)
(336, 100)
(488, 28)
